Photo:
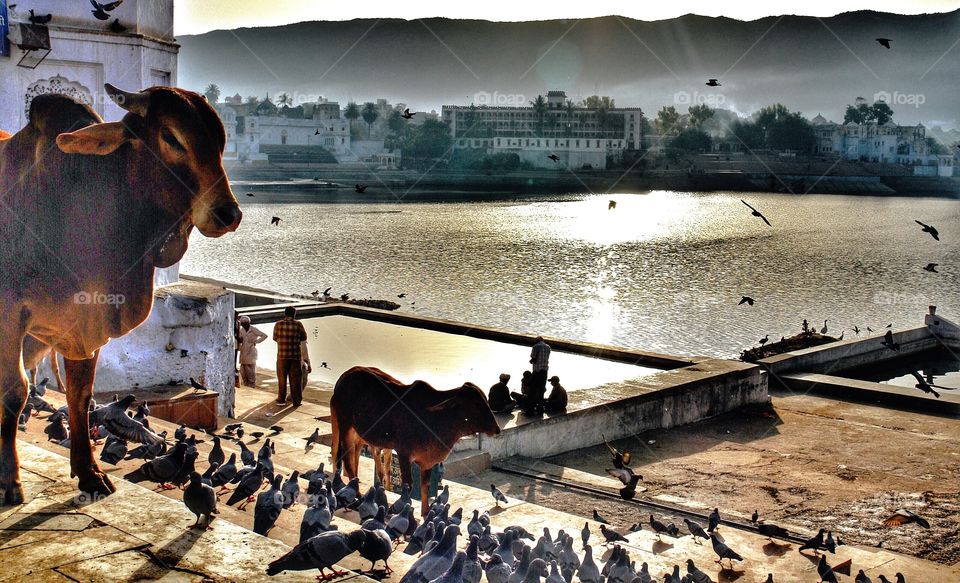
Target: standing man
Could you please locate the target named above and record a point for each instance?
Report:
(539, 358)
(288, 334)
(249, 336)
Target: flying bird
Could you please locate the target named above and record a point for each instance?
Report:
(746, 300)
(406, 114)
(401, 296)
(712, 83)
(756, 213)
(923, 385)
(611, 205)
(903, 516)
(554, 157)
(931, 267)
(929, 229)
(884, 42)
(100, 10)
(275, 221)
(360, 188)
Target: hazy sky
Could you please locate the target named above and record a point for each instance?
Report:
(196, 16)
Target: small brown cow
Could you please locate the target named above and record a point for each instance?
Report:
(419, 422)
(89, 210)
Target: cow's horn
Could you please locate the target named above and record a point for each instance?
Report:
(133, 102)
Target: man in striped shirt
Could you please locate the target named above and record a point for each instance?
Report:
(539, 358)
(288, 334)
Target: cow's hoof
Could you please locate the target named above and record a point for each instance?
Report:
(96, 486)
(11, 494)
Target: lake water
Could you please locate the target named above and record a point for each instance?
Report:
(662, 271)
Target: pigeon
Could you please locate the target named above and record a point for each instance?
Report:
(418, 540)
(723, 551)
(197, 386)
(291, 490)
(24, 416)
(149, 452)
(889, 343)
(256, 435)
(643, 576)
(216, 454)
(923, 385)
(275, 221)
(347, 495)
(225, 473)
(276, 429)
(436, 561)
(830, 544)
(713, 520)
(162, 469)
(188, 466)
(360, 188)
(472, 569)
(696, 575)
(376, 547)
(825, 571)
(535, 570)
(712, 83)
(611, 535)
(406, 114)
(746, 300)
(611, 205)
(585, 533)
(884, 42)
(316, 519)
(756, 213)
(247, 457)
(200, 499)
(399, 524)
(314, 437)
(931, 267)
(862, 577)
(598, 518)
(180, 434)
(100, 10)
(378, 521)
(815, 543)
(903, 516)
(696, 531)
(368, 505)
(232, 427)
(39, 404)
(249, 483)
(657, 526)
(56, 429)
(116, 27)
(316, 479)
(755, 517)
(497, 495)
(505, 548)
(770, 530)
(488, 541)
(929, 229)
(268, 507)
(207, 476)
(496, 570)
(114, 417)
(319, 552)
(40, 19)
(588, 571)
(554, 157)
(114, 450)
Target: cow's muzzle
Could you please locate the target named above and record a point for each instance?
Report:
(227, 217)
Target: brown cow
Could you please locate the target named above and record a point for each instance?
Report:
(88, 209)
(419, 422)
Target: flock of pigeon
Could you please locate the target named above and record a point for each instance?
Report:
(503, 557)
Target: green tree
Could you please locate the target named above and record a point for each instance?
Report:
(881, 112)
(369, 114)
(699, 114)
(212, 93)
(597, 101)
(427, 143)
(351, 112)
(539, 109)
(692, 140)
(861, 112)
(748, 133)
(284, 100)
(252, 100)
(791, 132)
(668, 121)
(935, 147)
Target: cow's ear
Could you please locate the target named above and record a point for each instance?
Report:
(96, 140)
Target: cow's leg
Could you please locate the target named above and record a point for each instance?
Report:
(14, 385)
(424, 487)
(79, 377)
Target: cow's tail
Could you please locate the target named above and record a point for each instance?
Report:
(335, 440)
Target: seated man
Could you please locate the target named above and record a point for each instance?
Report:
(557, 401)
(528, 398)
(499, 396)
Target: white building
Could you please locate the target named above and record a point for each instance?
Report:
(886, 143)
(84, 54)
(580, 137)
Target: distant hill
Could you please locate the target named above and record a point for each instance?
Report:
(814, 65)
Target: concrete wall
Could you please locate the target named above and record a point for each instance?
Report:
(190, 316)
(685, 395)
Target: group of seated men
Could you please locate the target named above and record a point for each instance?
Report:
(530, 399)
